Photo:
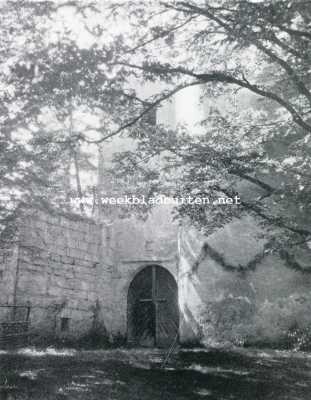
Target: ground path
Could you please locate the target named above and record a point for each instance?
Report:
(241, 374)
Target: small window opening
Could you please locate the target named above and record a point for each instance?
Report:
(64, 324)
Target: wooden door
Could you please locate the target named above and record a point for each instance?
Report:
(153, 316)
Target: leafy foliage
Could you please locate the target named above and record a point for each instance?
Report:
(256, 54)
(251, 61)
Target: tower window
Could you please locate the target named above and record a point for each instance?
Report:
(64, 324)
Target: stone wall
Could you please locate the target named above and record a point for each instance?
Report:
(132, 245)
(234, 292)
(76, 273)
(8, 265)
(57, 263)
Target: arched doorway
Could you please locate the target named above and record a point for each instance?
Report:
(152, 311)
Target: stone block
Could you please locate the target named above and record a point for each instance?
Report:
(32, 283)
(82, 245)
(55, 257)
(70, 252)
(67, 260)
(93, 248)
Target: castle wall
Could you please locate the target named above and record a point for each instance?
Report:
(68, 267)
(8, 269)
(77, 272)
(232, 291)
(135, 244)
(58, 260)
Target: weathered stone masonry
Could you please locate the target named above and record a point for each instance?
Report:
(54, 268)
(76, 274)
(233, 291)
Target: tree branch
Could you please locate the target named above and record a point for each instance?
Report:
(133, 121)
(295, 32)
(161, 36)
(222, 77)
(276, 221)
(248, 36)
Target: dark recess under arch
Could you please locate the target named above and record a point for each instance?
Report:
(152, 308)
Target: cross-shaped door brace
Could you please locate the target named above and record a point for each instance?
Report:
(155, 301)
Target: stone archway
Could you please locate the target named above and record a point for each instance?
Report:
(152, 308)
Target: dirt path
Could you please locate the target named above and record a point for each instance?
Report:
(134, 375)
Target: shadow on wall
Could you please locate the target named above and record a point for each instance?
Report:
(263, 302)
